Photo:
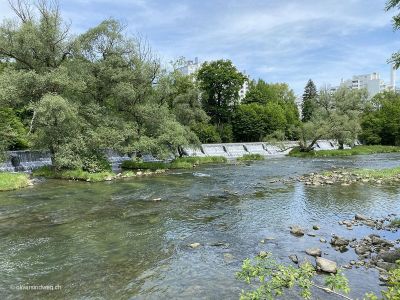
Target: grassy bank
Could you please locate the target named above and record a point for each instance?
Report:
(251, 157)
(357, 150)
(178, 163)
(79, 175)
(13, 181)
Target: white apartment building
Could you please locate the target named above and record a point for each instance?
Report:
(371, 82)
(190, 67)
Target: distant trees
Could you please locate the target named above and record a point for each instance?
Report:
(381, 121)
(309, 99)
(390, 4)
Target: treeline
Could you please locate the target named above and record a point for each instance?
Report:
(77, 95)
(103, 89)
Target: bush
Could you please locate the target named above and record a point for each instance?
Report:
(251, 157)
(206, 133)
(78, 174)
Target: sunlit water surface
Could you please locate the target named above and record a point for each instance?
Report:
(111, 241)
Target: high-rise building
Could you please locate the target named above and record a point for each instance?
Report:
(190, 67)
(371, 82)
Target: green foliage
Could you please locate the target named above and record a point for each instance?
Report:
(13, 181)
(77, 174)
(251, 157)
(380, 123)
(356, 150)
(336, 116)
(309, 101)
(273, 279)
(207, 133)
(220, 83)
(201, 160)
(395, 223)
(13, 135)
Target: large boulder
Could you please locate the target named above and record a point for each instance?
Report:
(326, 265)
(296, 230)
(361, 217)
(390, 256)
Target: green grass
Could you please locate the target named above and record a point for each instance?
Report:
(178, 163)
(395, 223)
(251, 157)
(357, 150)
(79, 175)
(378, 174)
(13, 181)
(196, 160)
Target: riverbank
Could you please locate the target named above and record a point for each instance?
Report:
(13, 181)
(356, 150)
(346, 177)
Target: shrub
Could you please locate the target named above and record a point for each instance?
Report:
(251, 157)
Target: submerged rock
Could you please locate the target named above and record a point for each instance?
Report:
(326, 265)
(294, 258)
(339, 241)
(296, 230)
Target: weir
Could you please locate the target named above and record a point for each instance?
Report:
(26, 161)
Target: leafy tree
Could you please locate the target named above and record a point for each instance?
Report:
(253, 122)
(337, 116)
(220, 83)
(381, 122)
(391, 4)
(309, 98)
(207, 133)
(262, 93)
(13, 135)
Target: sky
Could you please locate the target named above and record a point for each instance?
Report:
(279, 41)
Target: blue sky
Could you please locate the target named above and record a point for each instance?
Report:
(278, 41)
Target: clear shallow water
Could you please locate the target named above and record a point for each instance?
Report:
(111, 241)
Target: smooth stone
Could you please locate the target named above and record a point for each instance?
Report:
(315, 227)
(194, 245)
(314, 252)
(322, 240)
(228, 257)
(326, 265)
(361, 217)
(311, 234)
(263, 254)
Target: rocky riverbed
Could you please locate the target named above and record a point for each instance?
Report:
(372, 250)
(346, 177)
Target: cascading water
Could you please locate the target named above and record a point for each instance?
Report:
(235, 150)
(256, 148)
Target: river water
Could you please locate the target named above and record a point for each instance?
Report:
(111, 241)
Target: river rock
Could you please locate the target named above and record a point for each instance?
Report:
(296, 230)
(390, 256)
(326, 265)
(385, 265)
(362, 249)
(263, 254)
(314, 252)
(294, 258)
(228, 258)
(194, 245)
(315, 227)
(339, 241)
(361, 217)
(322, 240)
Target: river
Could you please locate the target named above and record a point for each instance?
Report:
(112, 241)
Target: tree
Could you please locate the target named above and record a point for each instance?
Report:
(220, 83)
(336, 116)
(390, 4)
(381, 122)
(309, 98)
(253, 122)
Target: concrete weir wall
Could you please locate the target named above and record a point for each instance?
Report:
(29, 160)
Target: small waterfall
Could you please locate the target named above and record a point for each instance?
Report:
(115, 158)
(215, 150)
(25, 161)
(273, 149)
(324, 145)
(193, 151)
(235, 150)
(256, 148)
